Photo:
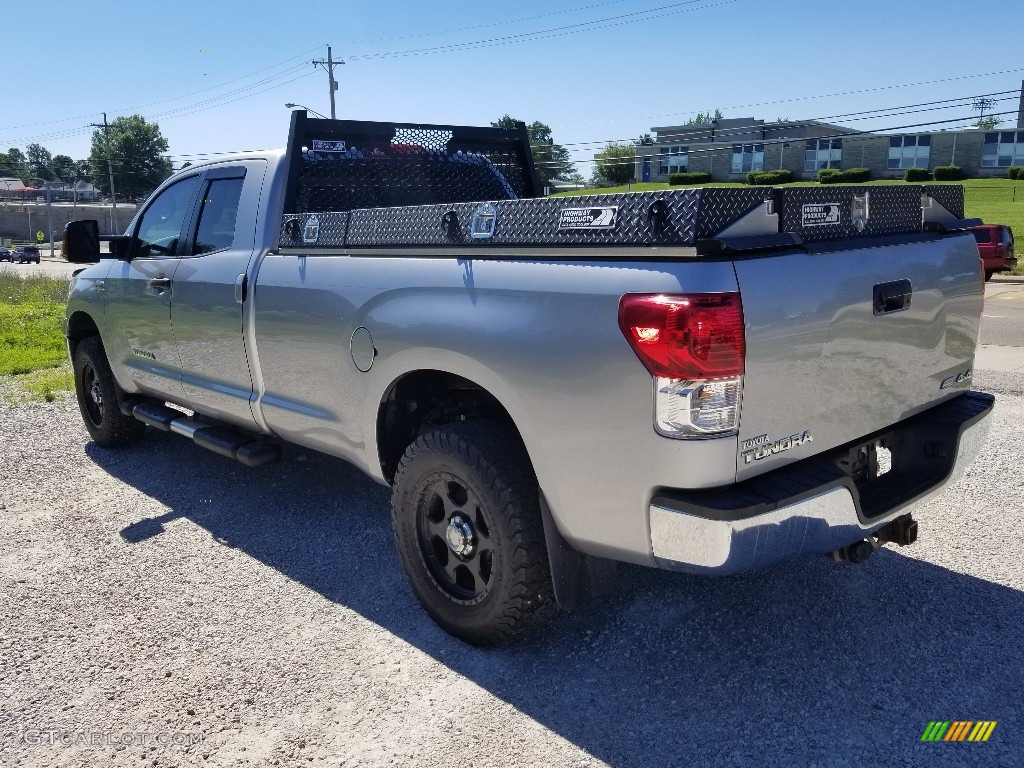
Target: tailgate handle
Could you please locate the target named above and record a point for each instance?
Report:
(892, 297)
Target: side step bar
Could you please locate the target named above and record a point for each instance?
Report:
(223, 440)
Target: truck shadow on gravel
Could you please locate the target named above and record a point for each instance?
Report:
(809, 661)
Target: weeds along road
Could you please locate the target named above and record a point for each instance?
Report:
(165, 606)
(47, 266)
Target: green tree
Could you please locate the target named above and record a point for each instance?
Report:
(614, 163)
(39, 159)
(987, 123)
(705, 118)
(645, 140)
(82, 171)
(17, 164)
(550, 160)
(137, 148)
(63, 168)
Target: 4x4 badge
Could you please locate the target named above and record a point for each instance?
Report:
(959, 378)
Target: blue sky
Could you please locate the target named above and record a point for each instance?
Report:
(215, 75)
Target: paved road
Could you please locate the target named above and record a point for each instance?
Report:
(47, 266)
(168, 592)
(1003, 320)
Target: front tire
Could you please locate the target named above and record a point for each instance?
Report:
(467, 524)
(97, 398)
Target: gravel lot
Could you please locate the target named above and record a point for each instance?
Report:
(177, 608)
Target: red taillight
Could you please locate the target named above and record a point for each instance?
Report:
(693, 336)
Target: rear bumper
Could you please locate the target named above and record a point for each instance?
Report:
(999, 263)
(815, 506)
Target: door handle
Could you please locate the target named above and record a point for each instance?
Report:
(159, 284)
(240, 285)
(892, 297)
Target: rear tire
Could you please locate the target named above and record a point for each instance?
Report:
(988, 275)
(98, 398)
(468, 528)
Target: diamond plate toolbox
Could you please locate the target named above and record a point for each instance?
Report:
(840, 212)
(670, 217)
(949, 196)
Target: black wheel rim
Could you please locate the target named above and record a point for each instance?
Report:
(454, 538)
(92, 395)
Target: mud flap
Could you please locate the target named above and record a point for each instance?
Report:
(576, 577)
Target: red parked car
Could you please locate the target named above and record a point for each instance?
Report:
(995, 244)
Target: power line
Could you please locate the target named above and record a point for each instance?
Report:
(808, 98)
(568, 29)
(122, 110)
(487, 26)
(697, 149)
(188, 109)
(694, 149)
(875, 114)
(578, 147)
(218, 100)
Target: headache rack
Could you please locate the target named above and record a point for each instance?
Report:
(356, 185)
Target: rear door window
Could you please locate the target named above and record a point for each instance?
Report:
(217, 216)
(982, 235)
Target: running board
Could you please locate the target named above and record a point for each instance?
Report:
(223, 440)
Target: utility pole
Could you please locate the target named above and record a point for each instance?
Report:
(110, 169)
(49, 217)
(981, 104)
(332, 84)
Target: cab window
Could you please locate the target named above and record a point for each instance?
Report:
(216, 230)
(160, 227)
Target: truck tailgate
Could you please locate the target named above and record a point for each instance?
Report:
(832, 356)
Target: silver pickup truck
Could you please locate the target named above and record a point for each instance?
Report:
(709, 380)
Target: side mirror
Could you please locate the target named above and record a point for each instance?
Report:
(81, 244)
(120, 247)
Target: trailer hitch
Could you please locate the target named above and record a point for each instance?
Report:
(902, 531)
